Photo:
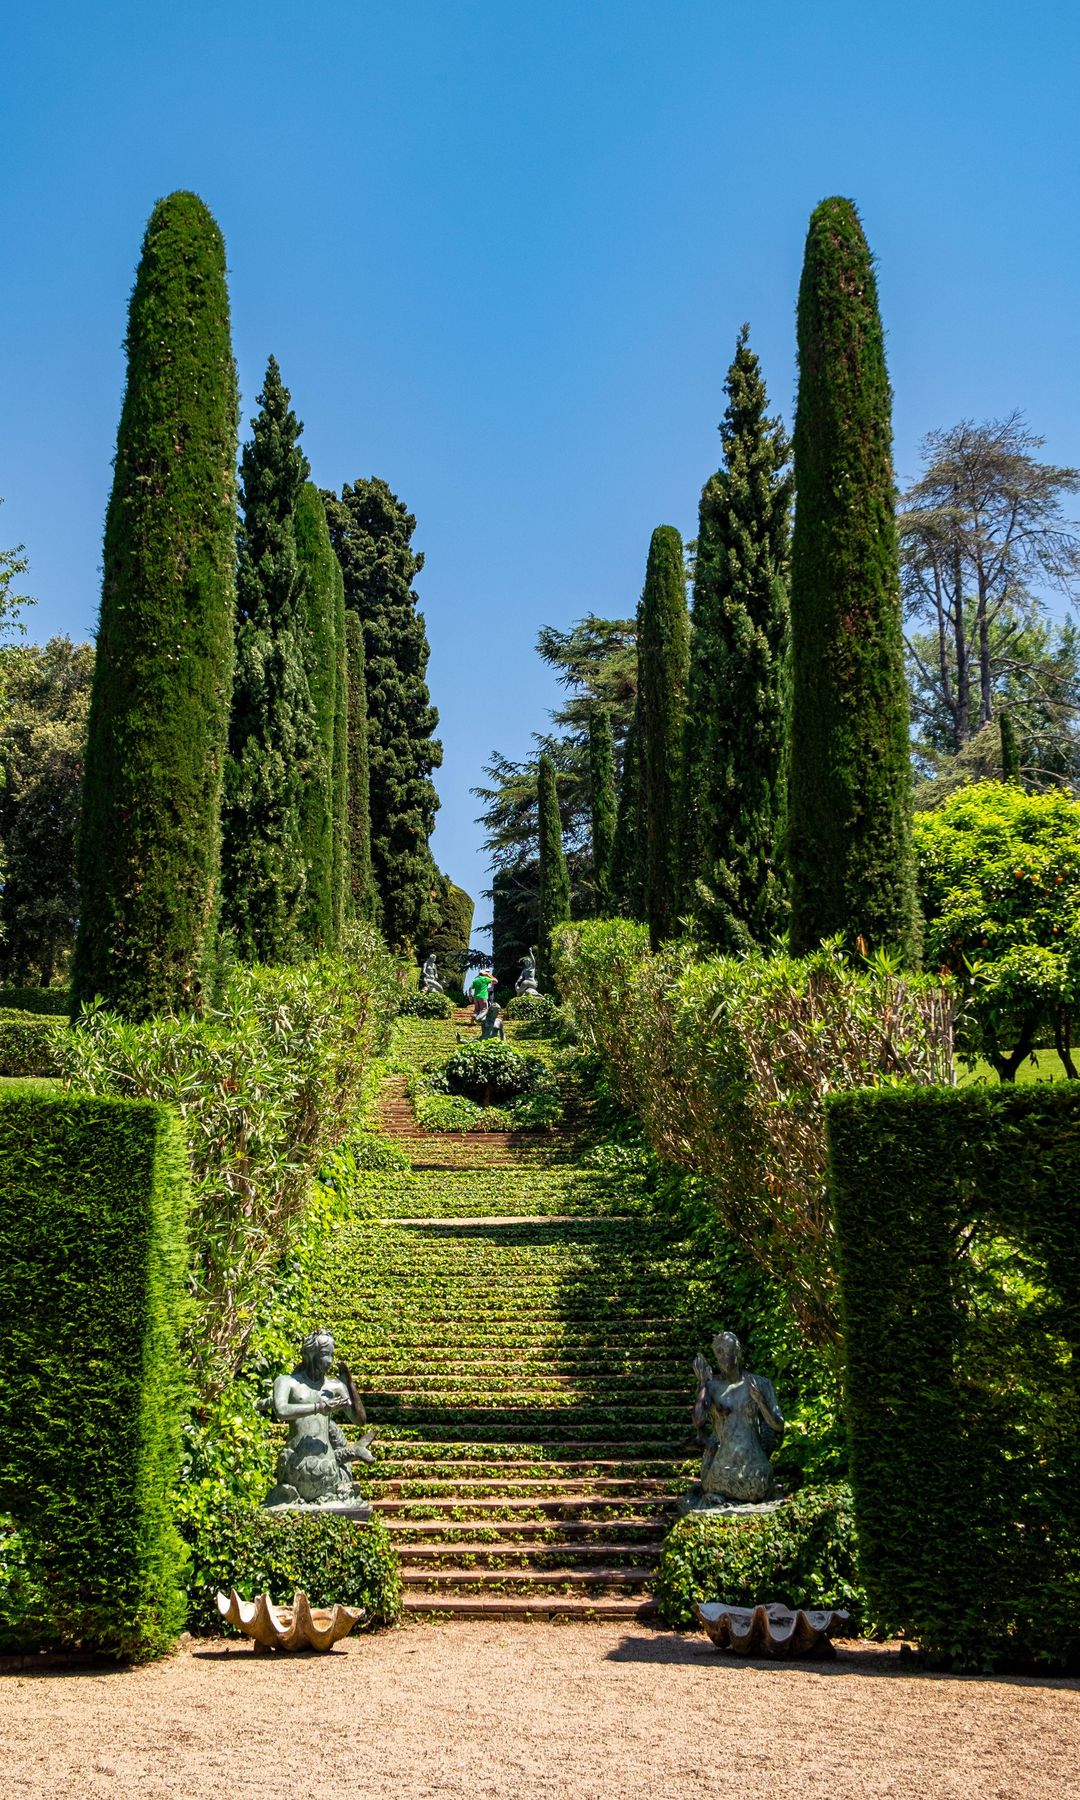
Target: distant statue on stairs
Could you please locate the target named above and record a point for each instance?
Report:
(429, 976)
(526, 981)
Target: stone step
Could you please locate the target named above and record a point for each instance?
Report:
(566, 1531)
(592, 1507)
(528, 1607)
(598, 1581)
(540, 1558)
(552, 1486)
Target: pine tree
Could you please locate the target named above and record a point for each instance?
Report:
(602, 785)
(149, 839)
(322, 631)
(849, 830)
(734, 773)
(371, 532)
(554, 875)
(663, 662)
(358, 834)
(272, 736)
(628, 859)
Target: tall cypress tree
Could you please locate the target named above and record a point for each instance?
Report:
(342, 890)
(1010, 748)
(272, 738)
(372, 534)
(149, 839)
(734, 774)
(628, 859)
(554, 875)
(850, 842)
(358, 834)
(602, 783)
(663, 662)
(322, 637)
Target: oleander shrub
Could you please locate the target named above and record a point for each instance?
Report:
(35, 1000)
(428, 1006)
(329, 1557)
(29, 1043)
(93, 1209)
(727, 1062)
(958, 1224)
(268, 1083)
(803, 1554)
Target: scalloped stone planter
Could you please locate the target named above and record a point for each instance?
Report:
(297, 1627)
(771, 1630)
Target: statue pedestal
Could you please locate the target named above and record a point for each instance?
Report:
(695, 1504)
(341, 1509)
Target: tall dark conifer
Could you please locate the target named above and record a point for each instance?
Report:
(734, 771)
(850, 841)
(358, 834)
(603, 806)
(272, 738)
(149, 840)
(554, 875)
(372, 534)
(628, 859)
(323, 640)
(663, 643)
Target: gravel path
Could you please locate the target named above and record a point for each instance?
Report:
(582, 1711)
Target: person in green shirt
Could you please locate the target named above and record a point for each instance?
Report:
(480, 990)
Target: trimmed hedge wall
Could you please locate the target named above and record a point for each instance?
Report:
(35, 1000)
(958, 1218)
(331, 1558)
(28, 1043)
(93, 1205)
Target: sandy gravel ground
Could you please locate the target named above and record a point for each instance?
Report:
(482, 1709)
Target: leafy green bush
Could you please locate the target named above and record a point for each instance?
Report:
(365, 1151)
(727, 1062)
(267, 1083)
(454, 1112)
(53, 1001)
(804, 1554)
(958, 1221)
(331, 1558)
(428, 1006)
(29, 1043)
(999, 873)
(493, 1071)
(93, 1208)
(532, 1009)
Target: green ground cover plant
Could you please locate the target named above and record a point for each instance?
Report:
(93, 1212)
(958, 1220)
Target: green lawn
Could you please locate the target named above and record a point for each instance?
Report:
(1044, 1065)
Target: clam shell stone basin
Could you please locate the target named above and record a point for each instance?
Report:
(300, 1626)
(771, 1630)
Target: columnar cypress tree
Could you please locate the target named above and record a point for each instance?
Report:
(1010, 748)
(628, 860)
(149, 839)
(663, 662)
(554, 875)
(358, 834)
(342, 890)
(849, 845)
(272, 739)
(372, 531)
(734, 774)
(322, 637)
(602, 781)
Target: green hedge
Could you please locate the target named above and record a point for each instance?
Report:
(331, 1558)
(958, 1219)
(28, 1043)
(801, 1555)
(36, 1000)
(93, 1206)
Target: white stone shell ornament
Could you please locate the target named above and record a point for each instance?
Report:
(773, 1630)
(297, 1627)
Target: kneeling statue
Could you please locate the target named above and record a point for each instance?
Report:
(313, 1467)
(739, 1425)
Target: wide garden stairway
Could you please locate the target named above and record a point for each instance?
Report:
(513, 1339)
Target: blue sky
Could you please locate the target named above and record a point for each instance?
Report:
(501, 254)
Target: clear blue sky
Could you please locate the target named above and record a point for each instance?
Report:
(501, 253)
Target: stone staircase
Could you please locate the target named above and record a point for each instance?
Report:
(515, 1347)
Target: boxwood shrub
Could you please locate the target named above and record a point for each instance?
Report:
(36, 1000)
(428, 1006)
(331, 1558)
(958, 1222)
(93, 1208)
(491, 1072)
(803, 1554)
(28, 1044)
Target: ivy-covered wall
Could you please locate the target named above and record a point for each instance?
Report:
(958, 1223)
(93, 1208)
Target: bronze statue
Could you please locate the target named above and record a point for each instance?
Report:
(739, 1425)
(313, 1467)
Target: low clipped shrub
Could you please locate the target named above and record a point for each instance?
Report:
(257, 1552)
(492, 1071)
(366, 1152)
(29, 1044)
(93, 1213)
(803, 1554)
(532, 1009)
(53, 1001)
(454, 1112)
(428, 1006)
